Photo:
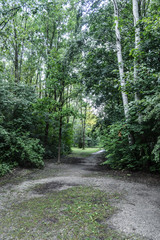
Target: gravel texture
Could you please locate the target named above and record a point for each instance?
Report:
(138, 209)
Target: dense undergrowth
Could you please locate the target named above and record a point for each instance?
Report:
(22, 129)
(135, 145)
(49, 83)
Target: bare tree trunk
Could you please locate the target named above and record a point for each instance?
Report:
(68, 102)
(144, 4)
(60, 140)
(121, 68)
(40, 86)
(16, 64)
(137, 42)
(22, 51)
(61, 99)
(60, 129)
(16, 70)
(46, 133)
(120, 60)
(84, 127)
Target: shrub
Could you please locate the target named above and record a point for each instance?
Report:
(6, 167)
(22, 149)
(16, 125)
(118, 152)
(28, 152)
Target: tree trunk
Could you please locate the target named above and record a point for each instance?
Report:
(16, 57)
(121, 69)
(137, 42)
(40, 85)
(61, 99)
(68, 102)
(16, 65)
(84, 128)
(60, 140)
(46, 133)
(22, 51)
(120, 60)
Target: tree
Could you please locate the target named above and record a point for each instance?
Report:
(120, 60)
(137, 41)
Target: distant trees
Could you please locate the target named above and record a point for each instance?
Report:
(138, 79)
(37, 50)
(85, 127)
(60, 54)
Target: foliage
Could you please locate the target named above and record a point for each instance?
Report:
(45, 111)
(143, 153)
(133, 143)
(69, 55)
(23, 150)
(6, 167)
(17, 146)
(85, 127)
(156, 151)
(118, 152)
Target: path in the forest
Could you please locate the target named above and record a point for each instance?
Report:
(139, 207)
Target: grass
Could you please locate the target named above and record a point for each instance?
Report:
(78, 213)
(78, 152)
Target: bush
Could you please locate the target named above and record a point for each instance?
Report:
(118, 151)
(28, 152)
(16, 125)
(142, 154)
(6, 167)
(22, 149)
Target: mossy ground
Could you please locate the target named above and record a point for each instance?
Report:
(76, 213)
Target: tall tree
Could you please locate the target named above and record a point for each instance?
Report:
(137, 42)
(120, 60)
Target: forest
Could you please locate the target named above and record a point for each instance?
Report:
(80, 73)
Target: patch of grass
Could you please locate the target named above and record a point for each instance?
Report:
(78, 152)
(77, 213)
(19, 175)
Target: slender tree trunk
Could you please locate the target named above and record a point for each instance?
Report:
(144, 4)
(22, 51)
(68, 102)
(46, 133)
(61, 101)
(60, 130)
(120, 60)
(40, 86)
(60, 140)
(16, 65)
(16, 70)
(137, 42)
(121, 68)
(84, 128)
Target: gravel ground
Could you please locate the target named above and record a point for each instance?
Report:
(139, 207)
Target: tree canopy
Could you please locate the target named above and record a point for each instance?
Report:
(80, 73)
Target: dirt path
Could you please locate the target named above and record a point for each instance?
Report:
(139, 207)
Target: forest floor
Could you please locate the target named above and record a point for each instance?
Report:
(80, 200)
